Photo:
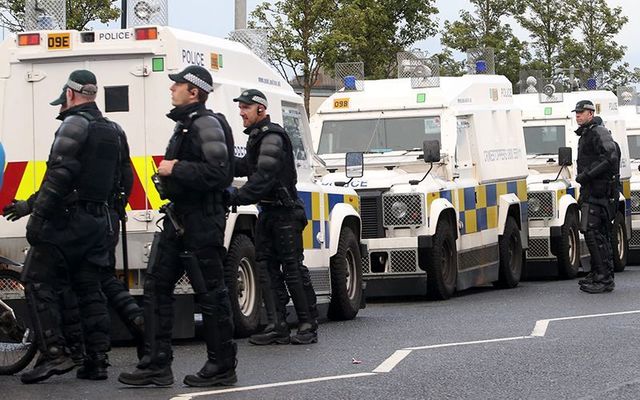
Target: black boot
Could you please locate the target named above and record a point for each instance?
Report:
(53, 362)
(600, 284)
(94, 367)
(219, 370)
(307, 334)
(588, 279)
(148, 374)
(272, 334)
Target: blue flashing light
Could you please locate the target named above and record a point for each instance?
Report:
(591, 84)
(349, 82)
(481, 66)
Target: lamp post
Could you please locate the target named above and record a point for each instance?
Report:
(123, 15)
(241, 14)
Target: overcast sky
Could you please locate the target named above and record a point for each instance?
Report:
(216, 17)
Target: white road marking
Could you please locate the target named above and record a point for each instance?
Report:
(388, 364)
(539, 330)
(188, 396)
(436, 346)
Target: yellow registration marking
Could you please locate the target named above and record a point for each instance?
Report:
(59, 41)
(341, 103)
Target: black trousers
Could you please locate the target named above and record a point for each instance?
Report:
(200, 253)
(596, 226)
(62, 271)
(279, 259)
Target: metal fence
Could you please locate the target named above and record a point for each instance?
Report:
(255, 39)
(350, 76)
(424, 71)
(45, 14)
(147, 12)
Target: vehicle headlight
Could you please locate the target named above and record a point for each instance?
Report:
(399, 209)
(534, 204)
(635, 201)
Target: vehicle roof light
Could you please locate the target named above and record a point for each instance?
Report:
(146, 33)
(28, 39)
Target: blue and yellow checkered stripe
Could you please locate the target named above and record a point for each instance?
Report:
(572, 191)
(314, 210)
(626, 192)
(478, 205)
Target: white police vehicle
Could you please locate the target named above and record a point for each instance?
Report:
(630, 111)
(132, 67)
(456, 221)
(553, 212)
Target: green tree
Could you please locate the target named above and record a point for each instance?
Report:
(374, 31)
(301, 38)
(485, 28)
(595, 49)
(549, 22)
(79, 13)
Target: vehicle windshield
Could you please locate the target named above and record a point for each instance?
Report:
(634, 146)
(378, 135)
(543, 139)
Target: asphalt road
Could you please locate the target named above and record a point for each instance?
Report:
(482, 344)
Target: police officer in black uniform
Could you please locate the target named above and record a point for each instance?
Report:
(116, 292)
(68, 230)
(270, 166)
(598, 174)
(197, 167)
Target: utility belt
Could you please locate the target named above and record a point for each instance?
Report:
(97, 209)
(207, 203)
(283, 199)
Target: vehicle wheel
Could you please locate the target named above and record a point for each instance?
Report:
(510, 256)
(442, 267)
(242, 282)
(619, 243)
(17, 344)
(346, 278)
(569, 254)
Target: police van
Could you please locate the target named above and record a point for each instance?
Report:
(132, 67)
(434, 220)
(630, 111)
(553, 212)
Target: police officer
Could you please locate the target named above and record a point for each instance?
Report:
(117, 294)
(270, 166)
(196, 169)
(598, 173)
(68, 230)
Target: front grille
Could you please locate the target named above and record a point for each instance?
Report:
(635, 239)
(371, 214)
(411, 206)
(538, 248)
(545, 207)
(635, 202)
(404, 261)
(11, 289)
(366, 264)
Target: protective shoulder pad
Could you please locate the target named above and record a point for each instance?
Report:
(214, 145)
(70, 136)
(271, 151)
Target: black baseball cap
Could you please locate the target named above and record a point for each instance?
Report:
(81, 81)
(252, 96)
(584, 105)
(195, 75)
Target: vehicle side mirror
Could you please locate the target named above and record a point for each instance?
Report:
(565, 156)
(431, 150)
(354, 162)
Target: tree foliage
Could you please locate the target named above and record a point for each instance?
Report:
(300, 38)
(79, 13)
(374, 31)
(484, 27)
(549, 23)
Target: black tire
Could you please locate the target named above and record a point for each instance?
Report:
(619, 243)
(510, 246)
(242, 282)
(442, 266)
(346, 278)
(569, 247)
(15, 355)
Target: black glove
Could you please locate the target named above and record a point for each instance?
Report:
(16, 210)
(231, 196)
(582, 178)
(34, 228)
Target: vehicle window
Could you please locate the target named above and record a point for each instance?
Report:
(116, 98)
(544, 139)
(378, 135)
(294, 124)
(634, 146)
